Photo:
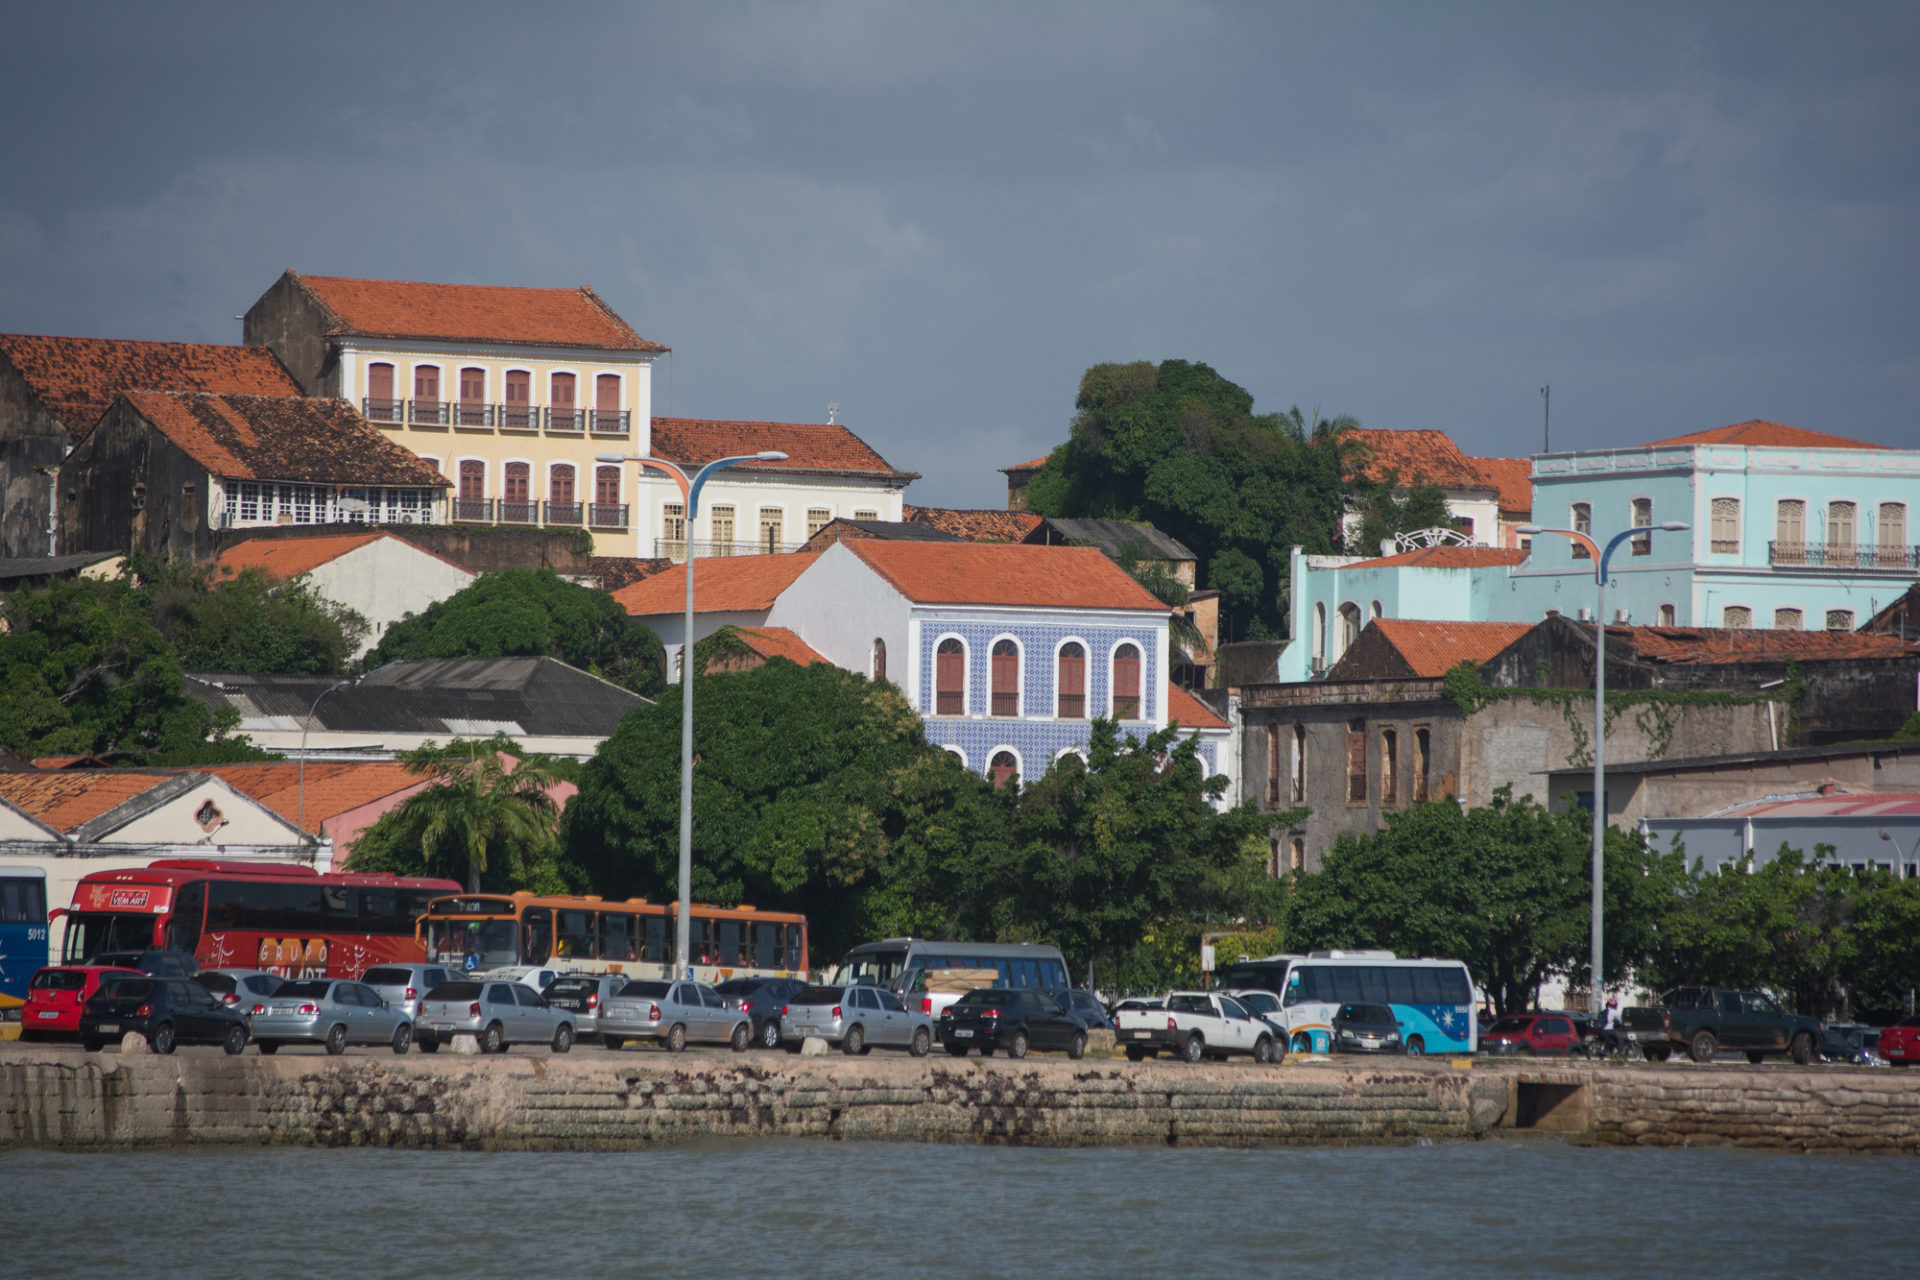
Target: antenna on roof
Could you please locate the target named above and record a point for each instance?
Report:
(833, 413)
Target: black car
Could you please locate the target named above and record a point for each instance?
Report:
(1366, 1028)
(761, 999)
(161, 964)
(167, 1011)
(1083, 1006)
(989, 1018)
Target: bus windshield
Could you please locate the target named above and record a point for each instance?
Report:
(494, 942)
(91, 932)
(871, 968)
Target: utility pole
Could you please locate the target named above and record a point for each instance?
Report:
(1546, 425)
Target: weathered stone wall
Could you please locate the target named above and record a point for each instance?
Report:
(1796, 1110)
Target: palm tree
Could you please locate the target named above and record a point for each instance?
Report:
(475, 812)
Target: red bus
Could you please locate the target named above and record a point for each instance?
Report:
(285, 919)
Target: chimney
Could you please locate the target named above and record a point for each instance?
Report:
(1553, 613)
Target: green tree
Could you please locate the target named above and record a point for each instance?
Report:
(250, 622)
(1157, 577)
(496, 828)
(1385, 509)
(520, 612)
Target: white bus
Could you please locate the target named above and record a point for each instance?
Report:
(1432, 1000)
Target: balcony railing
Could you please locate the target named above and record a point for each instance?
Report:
(518, 511)
(676, 548)
(1842, 555)
(429, 413)
(518, 417)
(569, 422)
(384, 410)
(468, 413)
(607, 515)
(563, 513)
(608, 422)
(477, 510)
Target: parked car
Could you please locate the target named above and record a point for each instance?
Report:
(167, 1011)
(1900, 1043)
(1533, 1035)
(329, 1011)
(761, 999)
(1852, 1042)
(989, 1018)
(498, 1014)
(857, 1018)
(673, 1013)
(1133, 1002)
(404, 986)
(537, 976)
(1082, 1005)
(1366, 1028)
(1196, 1025)
(158, 964)
(1265, 1005)
(1704, 1020)
(583, 995)
(240, 988)
(57, 994)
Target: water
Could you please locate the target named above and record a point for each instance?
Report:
(885, 1209)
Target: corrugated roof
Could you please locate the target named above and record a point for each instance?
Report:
(778, 642)
(1880, 804)
(472, 313)
(1761, 433)
(1433, 648)
(1190, 711)
(1001, 574)
(723, 584)
(987, 525)
(1513, 477)
(1445, 558)
(317, 440)
(892, 530)
(68, 799)
(77, 379)
(809, 446)
(1417, 457)
(1110, 536)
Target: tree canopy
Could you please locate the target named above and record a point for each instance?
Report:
(532, 612)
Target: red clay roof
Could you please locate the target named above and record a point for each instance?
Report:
(1682, 646)
(776, 642)
(1434, 648)
(282, 438)
(1190, 711)
(332, 787)
(976, 526)
(1034, 465)
(70, 798)
(1760, 432)
(724, 584)
(77, 379)
(1445, 558)
(1513, 478)
(286, 558)
(1418, 457)
(809, 446)
(472, 313)
(1002, 574)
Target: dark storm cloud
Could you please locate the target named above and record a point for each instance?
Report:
(939, 215)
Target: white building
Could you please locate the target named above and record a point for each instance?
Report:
(378, 576)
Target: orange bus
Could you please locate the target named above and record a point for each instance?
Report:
(480, 931)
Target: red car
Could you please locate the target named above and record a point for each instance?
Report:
(1534, 1035)
(1900, 1043)
(57, 993)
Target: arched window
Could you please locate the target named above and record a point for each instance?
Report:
(472, 502)
(1892, 551)
(1002, 768)
(879, 659)
(1642, 517)
(515, 496)
(1126, 682)
(1389, 767)
(1839, 619)
(950, 678)
(517, 413)
(606, 403)
(1789, 532)
(1375, 612)
(1319, 636)
(607, 511)
(1006, 678)
(1298, 792)
(1422, 764)
(473, 397)
(1736, 617)
(1788, 619)
(1666, 615)
(563, 507)
(427, 406)
(1349, 629)
(1582, 513)
(381, 406)
(1073, 681)
(560, 413)
(1297, 855)
(1726, 526)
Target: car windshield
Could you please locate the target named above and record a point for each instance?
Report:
(492, 943)
(127, 988)
(1367, 1013)
(446, 991)
(311, 989)
(221, 984)
(90, 933)
(741, 986)
(387, 977)
(1509, 1026)
(58, 980)
(644, 989)
(987, 996)
(816, 995)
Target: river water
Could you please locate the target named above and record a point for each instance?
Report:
(895, 1209)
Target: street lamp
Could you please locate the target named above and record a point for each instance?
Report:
(1900, 868)
(690, 492)
(300, 819)
(1600, 559)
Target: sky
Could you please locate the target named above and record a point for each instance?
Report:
(937, 216)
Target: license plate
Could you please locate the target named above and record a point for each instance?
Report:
(49, 1013)
(106, 1027)
(442, 1029)
(962, 1035)
(1141, 1035)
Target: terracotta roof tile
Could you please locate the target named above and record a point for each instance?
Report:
(1418, 457)
(1432, 648)
(809, 446)
(1760, 432)
(70, 798)
(976, 526)
(777, 642)
(1513, 478)
(1682, 646)
(724, 584)
(282, 438)
(999, 574)
(78, 379)
(285, 558)
(1190, 711)
(1033, 465)
(1445, 558)
(473, 313)
(332, 787)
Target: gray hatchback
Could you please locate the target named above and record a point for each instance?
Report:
(404, 985)
(498, 1014)
(855, 1018)
(673, 1013)
(329, 1012)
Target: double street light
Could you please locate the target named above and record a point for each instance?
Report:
(1600, 559)
(690, 493)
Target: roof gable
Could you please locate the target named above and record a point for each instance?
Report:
(310, 439)
(1189, 711)
(472, 313)
(67, 800)
(991, 573)
(1422, 649)
(77, 379)
(809, 446)
(285, 558)
(1417, 457)
(1758, 432)
(1111, 537)
(1512, 478)
(724, 584)
(778, 642)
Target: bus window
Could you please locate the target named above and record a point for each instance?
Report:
(380, 910)
(536, 935)
(796, 939)
(766, 945)
(730, 950)
(1005, 969)
(89, 933)
(22, 901)
(1026, 974)
(616, 937)
(655, 951)
(189, 908)
(1400, 986)
(1056, 974)
(573, 935)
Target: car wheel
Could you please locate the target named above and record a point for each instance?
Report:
(95, 1046)
(855, 1042)
(268, 1047)
(611, 1042)
(1756, 1057)
(921, 1043)
(956, 1051)
(1136, 1054)
(493, 1039)
(1303, 1043)
(337, 1039)
(677, 1038)
(236, 1039)
(1017, 1047)
(770, 1034)
(1803, 1049)
(1077, 1047)
(742, 1037)
(161, 1038)
(1416, 1047)
(403, 1038)
(562, 1038)
(1703, 1047)
(1263, 1051)
(429, 1045)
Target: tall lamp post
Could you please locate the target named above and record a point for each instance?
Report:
(690, 492)
(300, 819)
(1601, 557)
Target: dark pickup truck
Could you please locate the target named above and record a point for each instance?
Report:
(1705, 1020)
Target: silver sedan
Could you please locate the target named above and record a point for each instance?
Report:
(498, 1014)
(856, 1018)
(672, 1013)
(329, 1012)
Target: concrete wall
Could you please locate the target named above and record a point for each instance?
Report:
(288, 321)
(386, 580)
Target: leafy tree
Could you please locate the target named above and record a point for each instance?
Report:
(1180, 446)
(1385, 509)
(519, 612)
(496, 828)
(251, 622)
(1157, 577)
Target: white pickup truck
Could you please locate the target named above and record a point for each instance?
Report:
(1195, 1025)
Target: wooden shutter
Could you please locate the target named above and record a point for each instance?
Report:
(560, 484)
(606, 486)
(1006, 678)
(380, 382)
(606, 393)
(1126, 682)
(473, 480)
(950, 679)
(562, 396)
(1073, 682)
(426, 383)
(518, 481)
